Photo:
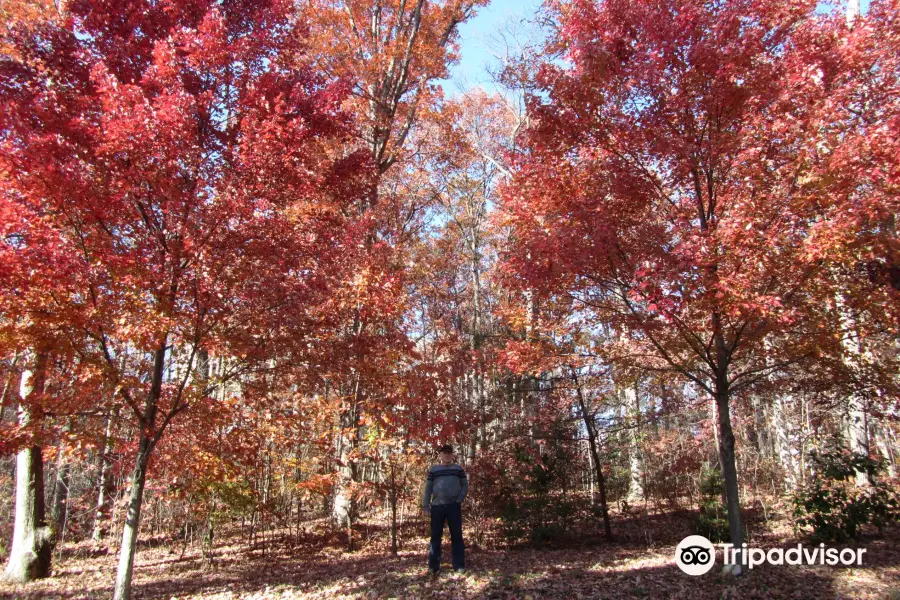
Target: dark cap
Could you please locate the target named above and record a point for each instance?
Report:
(446, 448)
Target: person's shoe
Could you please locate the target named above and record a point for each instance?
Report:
(460, 570)
(433, 574)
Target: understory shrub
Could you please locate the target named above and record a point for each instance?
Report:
(533, 504)
(712, 522)
(833, 507)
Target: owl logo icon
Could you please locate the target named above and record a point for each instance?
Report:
(695, 555)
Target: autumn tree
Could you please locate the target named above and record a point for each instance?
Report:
(665, 191)
(15, 13)
(393, 52)
(852, 182)
(188, 167)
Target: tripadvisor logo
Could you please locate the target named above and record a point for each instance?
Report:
(696, 555)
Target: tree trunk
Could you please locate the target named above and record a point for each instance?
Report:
(344, 509)
(393, 510)
(104, 484)
(729, 467)
(8, 397)
(31, 551)
(857, 417)
(60, 501)
(131, 528)
(476, 337)
(714, 416)
(883, 441)
(595, 453)
(632, 411)
(858, 429)
(760, 427)
(591, 475)
(132, 521)
(783, 442)
(529, 404)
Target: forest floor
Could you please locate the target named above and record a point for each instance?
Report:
(638, 564)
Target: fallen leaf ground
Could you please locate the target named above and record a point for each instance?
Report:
(639, 564)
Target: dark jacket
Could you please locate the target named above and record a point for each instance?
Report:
(447, 484)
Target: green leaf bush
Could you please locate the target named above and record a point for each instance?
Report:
(833, 508)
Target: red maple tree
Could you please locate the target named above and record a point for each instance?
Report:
(668, 191)
(175, 188)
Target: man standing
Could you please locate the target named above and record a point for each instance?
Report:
(448, 483)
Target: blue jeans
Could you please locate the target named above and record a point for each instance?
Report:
(452, 513)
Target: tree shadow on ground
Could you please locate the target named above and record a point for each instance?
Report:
(621, 569)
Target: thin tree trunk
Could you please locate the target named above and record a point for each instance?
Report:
(131, 528)
(60, 501)
(393, 510)
(478, 372)
(858, 427)
(104, 485)
(761, 427)
(783, 442)
(591, 474)
(208, 545)
(592, 440)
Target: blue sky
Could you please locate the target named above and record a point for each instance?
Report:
(475, 35)
(475, 39)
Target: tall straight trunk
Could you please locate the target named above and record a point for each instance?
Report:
(632, 413)
(326, 467)
(297, 478)
(393, 500)
(481, 428)
(118, 500)
(856, 409)
(478, 367)
(591, 474)
(131, 528)
(714, 416)
(60, 502)
(32, 544)
(104, 483)
(202, 370)
(532, 383)
(760, 427)
(729, 465)
(805, 432)
(783, 443)
(345, 502)
(601, 482)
